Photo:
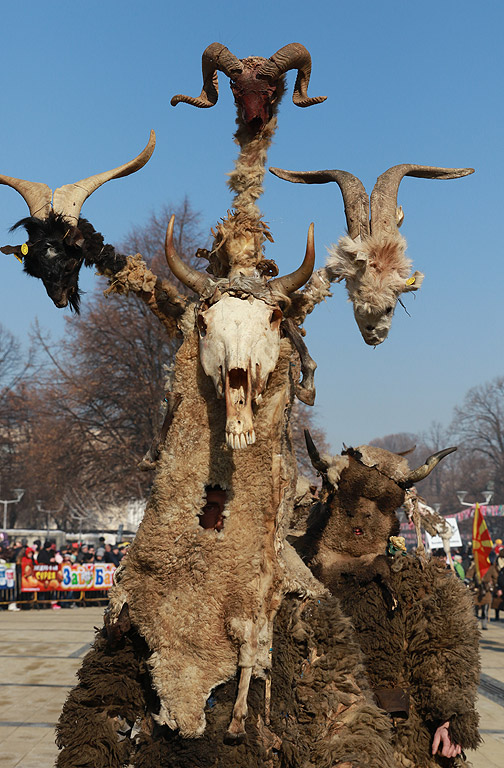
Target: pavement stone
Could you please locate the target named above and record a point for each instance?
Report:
(41, 651)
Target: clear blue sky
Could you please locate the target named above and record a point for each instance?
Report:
(82, 84)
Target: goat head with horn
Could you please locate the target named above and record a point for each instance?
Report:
(372, 257)
(239, 332)
(59, 241)
(255, 81)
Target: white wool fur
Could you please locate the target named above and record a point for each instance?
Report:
(375, 270)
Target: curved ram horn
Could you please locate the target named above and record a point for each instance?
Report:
(292, 56)
(69, 199)
(192, 278)
(36, 195)
(384, 194)
(290, 283)
(215, 57)
(319, 464)
(355, 197)
(419, 474)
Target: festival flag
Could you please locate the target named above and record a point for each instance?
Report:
(482, 543)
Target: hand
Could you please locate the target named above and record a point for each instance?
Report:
(443, 744)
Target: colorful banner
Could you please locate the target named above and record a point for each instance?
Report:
(7, 575)
(493, 510)
(67, 577)
(482, 543)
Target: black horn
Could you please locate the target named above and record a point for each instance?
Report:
(421, 472)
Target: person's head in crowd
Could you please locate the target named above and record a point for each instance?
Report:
(100, 553)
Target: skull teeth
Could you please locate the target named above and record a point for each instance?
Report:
(241, 440)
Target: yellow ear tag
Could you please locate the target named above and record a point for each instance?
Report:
(411, 281)
(24, 249)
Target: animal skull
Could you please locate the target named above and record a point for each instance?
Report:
(239, 348)
(239, 330)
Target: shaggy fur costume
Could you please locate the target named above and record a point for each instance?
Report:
(428, 646)
(413, 620)
(320, 710)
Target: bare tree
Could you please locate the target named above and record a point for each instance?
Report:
(479, 423)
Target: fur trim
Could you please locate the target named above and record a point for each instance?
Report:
(135, 276)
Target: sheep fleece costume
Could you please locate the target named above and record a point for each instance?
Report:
(321, 708)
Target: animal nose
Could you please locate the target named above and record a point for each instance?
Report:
(369, 327)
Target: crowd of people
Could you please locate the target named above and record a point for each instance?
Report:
(488, 591)
(25, 556)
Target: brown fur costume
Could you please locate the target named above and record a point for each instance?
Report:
(413, 620)
(321, 711)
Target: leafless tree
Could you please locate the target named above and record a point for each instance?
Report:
(479, 424)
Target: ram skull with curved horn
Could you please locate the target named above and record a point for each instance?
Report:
(239, 332)
(59, 240)
(255, 81)
(372, 257)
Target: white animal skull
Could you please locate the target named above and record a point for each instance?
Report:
(239, 348)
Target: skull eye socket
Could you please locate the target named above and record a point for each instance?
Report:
(276, 319)
(202, 326)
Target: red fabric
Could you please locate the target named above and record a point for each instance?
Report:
(482, 543)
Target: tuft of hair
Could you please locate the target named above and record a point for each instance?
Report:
(375, 269)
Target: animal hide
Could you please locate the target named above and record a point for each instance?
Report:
(205, 600)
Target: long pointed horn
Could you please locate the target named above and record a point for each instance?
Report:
(69, 199)
(384, 194)
(36, 195)
(190, 277)
(215, 57)
(290, 283)
(292, 56)
(419, 474)
(355, 197)
(319, 464)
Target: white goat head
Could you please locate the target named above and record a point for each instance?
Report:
(239, 328)
(372, 257)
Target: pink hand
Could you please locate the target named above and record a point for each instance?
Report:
(442, 739)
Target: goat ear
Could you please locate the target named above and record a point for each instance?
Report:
(414, 282)
(15, 249)
(74, 237)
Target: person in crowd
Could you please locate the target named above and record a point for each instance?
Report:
(46, 555)
(498, 595)
(482, 589)
(457, 564)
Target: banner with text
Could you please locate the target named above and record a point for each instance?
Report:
(67, 577)
(7, 575)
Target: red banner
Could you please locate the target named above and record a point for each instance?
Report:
(482, 543)
(67, 577)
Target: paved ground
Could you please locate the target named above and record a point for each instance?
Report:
(40, 652)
